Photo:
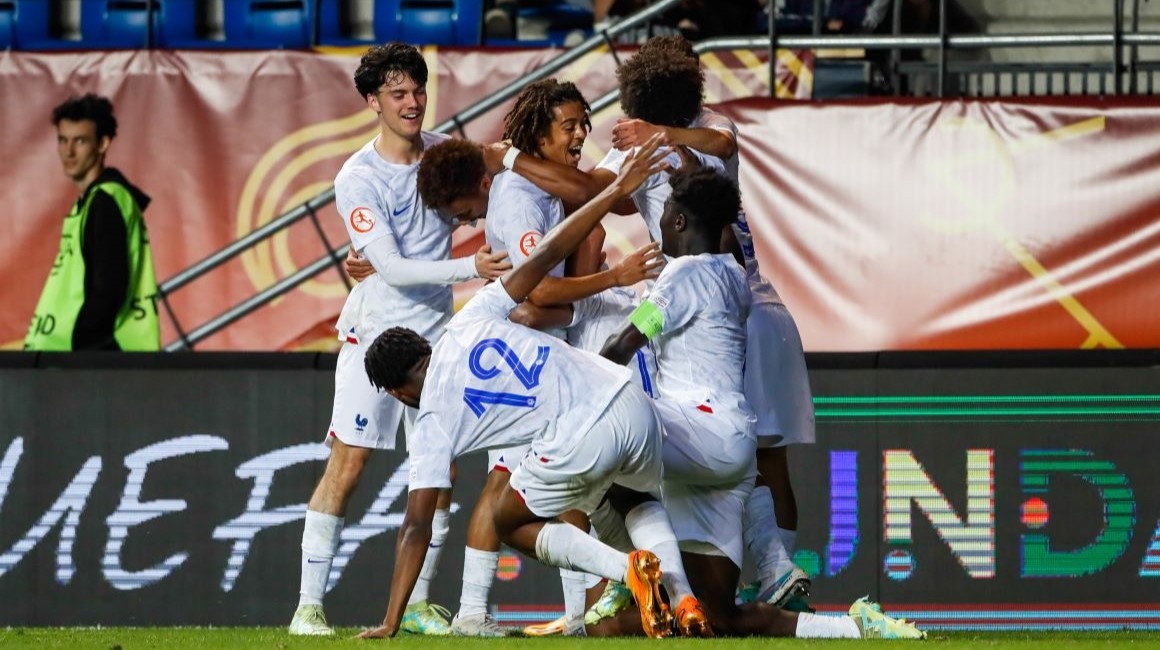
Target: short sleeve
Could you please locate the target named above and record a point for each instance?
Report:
(520, 227)
(710, 119)
(587, 309)
(492, 302)
(672, 302)
(430, 454)
(362, 207)
(613, 161)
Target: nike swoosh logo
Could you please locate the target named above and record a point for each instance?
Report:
(401, 210)
(309, 561)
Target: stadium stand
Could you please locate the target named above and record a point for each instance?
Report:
(427, 22)
(246, 24)
(104, 24)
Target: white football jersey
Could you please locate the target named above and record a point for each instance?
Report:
(378, 199)
(761, 288)
(519, 214)
(493, 384)
(695, 315)
(598, 317)
(650, 198)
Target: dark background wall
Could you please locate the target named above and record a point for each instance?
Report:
(169, 489)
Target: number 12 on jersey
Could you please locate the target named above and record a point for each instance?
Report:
(477, 399)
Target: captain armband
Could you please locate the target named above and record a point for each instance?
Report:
(648, 319)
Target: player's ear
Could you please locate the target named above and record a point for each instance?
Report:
(373, 102)
(485, 184)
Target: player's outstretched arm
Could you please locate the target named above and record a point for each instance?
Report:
(564, 238)
(712, 141)
(410, 551)
(565, 182)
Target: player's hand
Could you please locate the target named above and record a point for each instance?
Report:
(493, 156)
(644, 264)
(491, 265)
(632, 133)
(380, 632)
(639, 164)
(357, 268)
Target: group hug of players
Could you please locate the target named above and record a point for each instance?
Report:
(637, 444)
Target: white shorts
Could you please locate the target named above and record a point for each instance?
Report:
(506, 459)
(777, 385)
(574, 469)
(362, 416)
(710, 466)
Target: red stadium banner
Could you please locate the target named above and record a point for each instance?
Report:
(885, 224)
(891, 225)
(226, 141)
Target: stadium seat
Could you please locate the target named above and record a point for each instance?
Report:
(177, 25)
(548, 23)
(269, 24)
(7, 24)
(104, 24)
(115, 24)
(430, 22)
(335, 25)
(247, 25)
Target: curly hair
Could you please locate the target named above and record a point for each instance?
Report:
(88, 107)
(386, 64)
(392, 355)
(531, 117)
(660, 88)
(675, 46)
(450, 170)
(709, 199)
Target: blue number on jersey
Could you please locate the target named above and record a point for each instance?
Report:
(529, 376)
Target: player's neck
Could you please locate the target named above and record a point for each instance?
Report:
(398, 150)
(696, 246)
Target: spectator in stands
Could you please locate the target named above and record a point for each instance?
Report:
(101, 291)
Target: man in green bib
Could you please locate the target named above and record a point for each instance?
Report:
(101, 292)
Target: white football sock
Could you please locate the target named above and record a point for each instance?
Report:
(440, 524)
(320, 537)
(567, 547)
(573, 584)
(478, 576)
(813, 626)
(761, 537)
(649, 526)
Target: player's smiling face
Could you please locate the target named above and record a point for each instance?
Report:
(401, 104)
(566, 135)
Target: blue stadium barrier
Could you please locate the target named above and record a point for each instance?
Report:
(562, 17)
(32, 28)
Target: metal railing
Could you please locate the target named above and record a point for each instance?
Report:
(971, 79)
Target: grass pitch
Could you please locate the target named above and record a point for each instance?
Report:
(277, 639)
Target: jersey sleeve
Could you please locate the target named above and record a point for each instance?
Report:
(613, 161)
(587, 309)
(671, 303)
(430, 454)
(363, 209)
(711, 119)
(492, 302)
(520, 226)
